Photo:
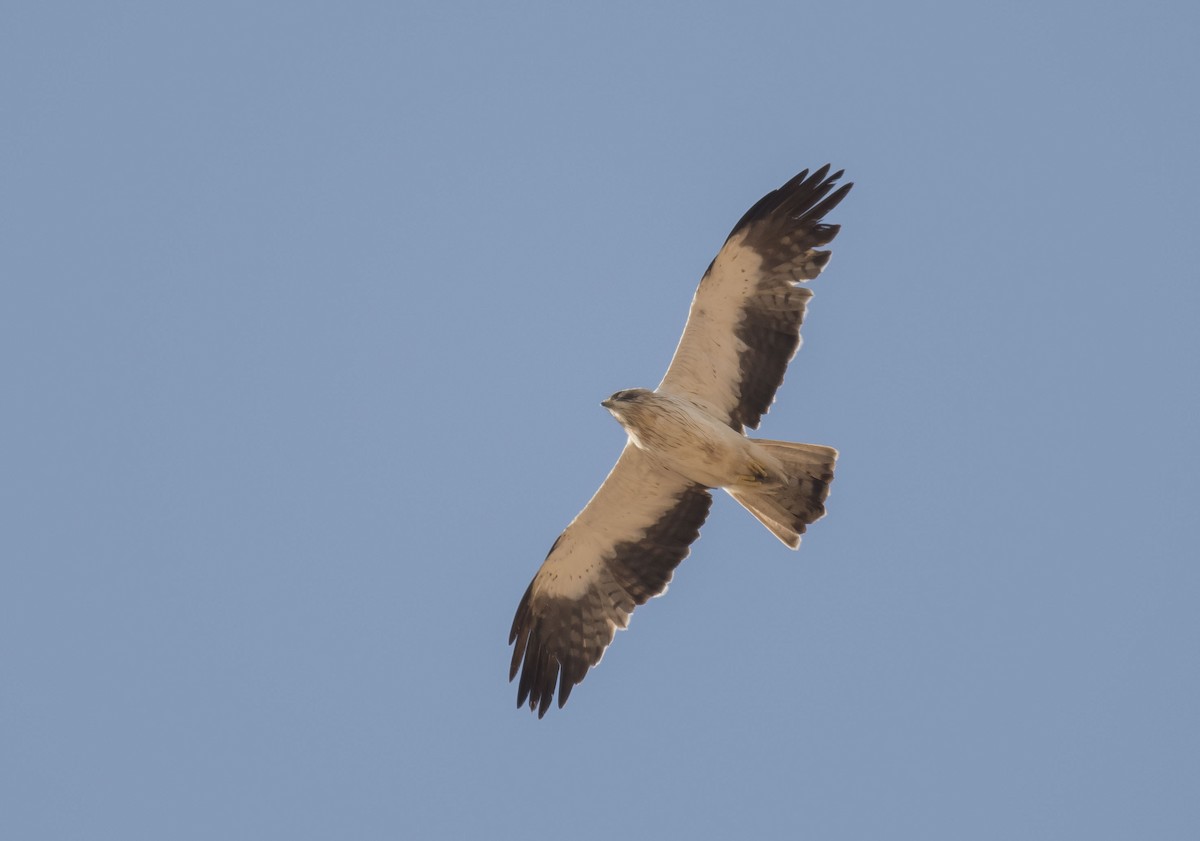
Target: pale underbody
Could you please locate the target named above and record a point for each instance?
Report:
(687, 439)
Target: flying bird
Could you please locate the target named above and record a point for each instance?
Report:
(685, 438)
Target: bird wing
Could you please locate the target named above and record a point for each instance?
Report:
(744, 324)
(621, 550)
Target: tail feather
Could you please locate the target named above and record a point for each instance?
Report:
(787, 509)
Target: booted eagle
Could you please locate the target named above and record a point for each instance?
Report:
(685, 438)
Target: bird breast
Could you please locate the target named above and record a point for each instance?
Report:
(688, 440)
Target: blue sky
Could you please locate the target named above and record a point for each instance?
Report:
(306, 311)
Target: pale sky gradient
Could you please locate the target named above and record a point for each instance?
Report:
(305, 314)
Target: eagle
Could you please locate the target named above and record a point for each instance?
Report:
(685, 438)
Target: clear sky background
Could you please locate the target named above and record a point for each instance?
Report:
(306, 313)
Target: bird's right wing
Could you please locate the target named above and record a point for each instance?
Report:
(621, 550)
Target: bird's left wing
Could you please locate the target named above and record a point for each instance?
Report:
(621, 550)
(744, 324)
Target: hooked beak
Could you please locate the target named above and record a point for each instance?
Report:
(607, 403)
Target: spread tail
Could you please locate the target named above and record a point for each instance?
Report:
(787, 509)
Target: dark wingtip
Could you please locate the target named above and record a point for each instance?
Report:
(828, 203)
(566, 682)
(803, 195)
(545, 703)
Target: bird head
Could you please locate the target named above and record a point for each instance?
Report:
(624, 399)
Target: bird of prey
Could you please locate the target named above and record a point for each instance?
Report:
(685, 438)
